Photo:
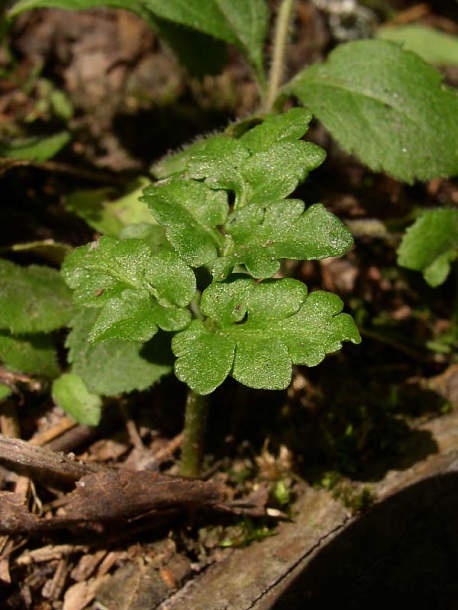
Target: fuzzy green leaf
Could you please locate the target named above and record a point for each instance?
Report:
(115, 366)
(138, 286)
(262, 167)
(266, 163)
(33, 299)
(430, 245)
(255, 332)
(204, 358)
(34, 149)
(30, 354)
(289, 126)
(262, 236)
(264, 176)
(71, 394)
(177, 162)
(190, 212)
(276, 172)
(219, 160)
(432, 45)
(387, 106)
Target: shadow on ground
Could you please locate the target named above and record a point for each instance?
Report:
(403, 553)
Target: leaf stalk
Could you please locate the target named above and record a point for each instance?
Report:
(280, 41)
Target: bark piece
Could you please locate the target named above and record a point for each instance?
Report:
(101, 494)
(120, 494)
(41, 463)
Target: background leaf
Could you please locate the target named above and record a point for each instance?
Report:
(198, 53)
(34, 149)
(430, 245)
(107, 215)
(114, 367)
(5, 391)
(248, 20)
(242, 22)
(32, 299)
(31, 354)
(49, 250)
(387, 106)
(71, 394)
(432, 45)
(27, 5)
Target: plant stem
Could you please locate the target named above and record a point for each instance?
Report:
(454, 318)
(282, 24)
(195, 425)
(4, 23)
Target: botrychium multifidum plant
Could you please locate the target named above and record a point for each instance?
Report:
(205, 272)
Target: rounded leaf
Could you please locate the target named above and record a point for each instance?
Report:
(71, 394)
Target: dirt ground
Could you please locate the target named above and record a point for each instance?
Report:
(368, 437)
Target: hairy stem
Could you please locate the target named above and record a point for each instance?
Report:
(195, 425)
(282, 24)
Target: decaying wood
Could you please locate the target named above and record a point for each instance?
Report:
(405, 548)
(101, 494)
(249, 574)
(124, 493)
(403, 551)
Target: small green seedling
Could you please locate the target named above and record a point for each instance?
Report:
(205, 272)
(430, 245)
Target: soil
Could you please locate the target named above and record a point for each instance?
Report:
(349, 476)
